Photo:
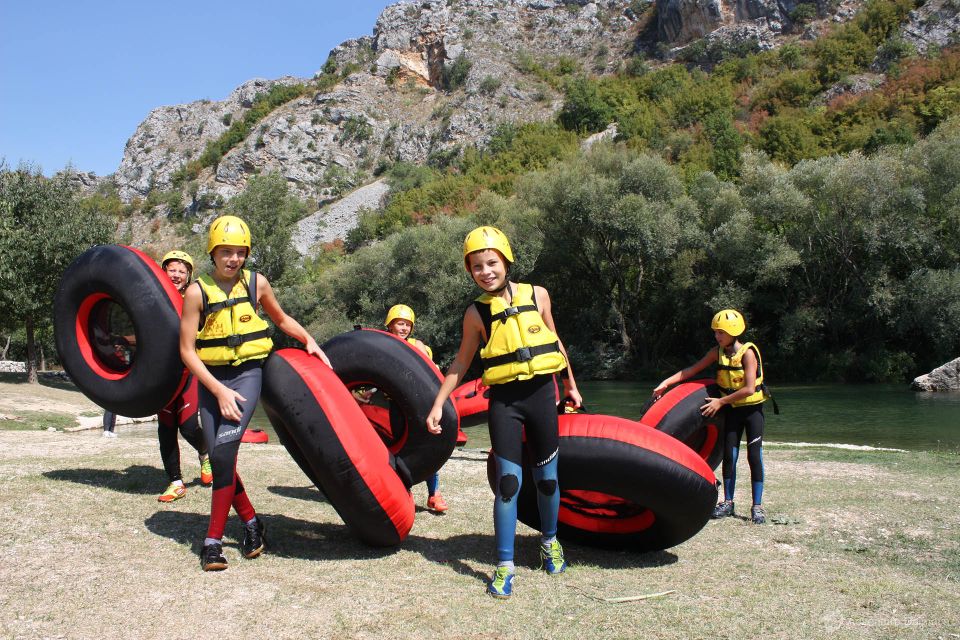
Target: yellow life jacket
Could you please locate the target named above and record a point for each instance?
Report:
(232, 331)
(519, 344)
(730, 375)
(413, 341)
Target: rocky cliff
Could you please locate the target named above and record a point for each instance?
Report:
(436, 76)
(393, 103)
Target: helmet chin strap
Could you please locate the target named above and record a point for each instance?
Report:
(505, 285)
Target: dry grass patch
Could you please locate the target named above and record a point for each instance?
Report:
(88, 552)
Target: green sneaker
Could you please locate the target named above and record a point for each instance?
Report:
(501, 583)
(551, 558)
(206, 471)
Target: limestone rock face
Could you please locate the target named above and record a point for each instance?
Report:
(393, 105)
(171, 136)
(944, 378)
(681, 21)
(397, 99)
(936, 23)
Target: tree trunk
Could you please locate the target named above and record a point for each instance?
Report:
(43, 359)
(31, 353)
(6, 348)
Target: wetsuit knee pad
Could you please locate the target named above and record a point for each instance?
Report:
(509, 484)
(545, 476)
(547, 487)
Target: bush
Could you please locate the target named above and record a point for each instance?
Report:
(456, 73)
(584, 109)
(489, 85)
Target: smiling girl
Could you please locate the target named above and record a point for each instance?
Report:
(226, 356)
(512, 325)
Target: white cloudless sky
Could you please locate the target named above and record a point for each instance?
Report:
(76, 78)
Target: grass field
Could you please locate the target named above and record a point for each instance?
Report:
(860, 545)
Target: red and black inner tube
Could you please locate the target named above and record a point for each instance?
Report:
(373, 358)
(677, 412)
(624, 485)
(318, 421)
(117, 330)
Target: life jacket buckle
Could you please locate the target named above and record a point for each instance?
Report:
(235, 340)
(523, 354)
(510, 311)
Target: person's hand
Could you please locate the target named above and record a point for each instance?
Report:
(229, 400)
(433, 420)
(314, 349)
(660, 389)
(363, 394)
(711, 407)
(575, 396)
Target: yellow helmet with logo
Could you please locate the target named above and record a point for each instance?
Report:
(399, 311)
(228, 230)
(729, 320)
(176, 254)
(486, 238)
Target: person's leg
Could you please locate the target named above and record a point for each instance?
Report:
(543, 442)
(109, 424)
(505, 424)
(754, 429)
(223, 444)
(733, 432)
(435, 501)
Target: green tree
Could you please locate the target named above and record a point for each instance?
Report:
(584, 108)
(267, 206)
(42, 230)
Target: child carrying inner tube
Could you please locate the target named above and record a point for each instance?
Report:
(181, 412)
(520, 353)
(740, 376)
(400, 322)
(226, 356)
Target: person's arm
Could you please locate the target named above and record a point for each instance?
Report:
(546, 312)
(189, 320)
(686, 374)
(469, 343)
(419, 345)
(285, 323)
(749, 362)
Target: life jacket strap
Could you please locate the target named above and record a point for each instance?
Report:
(223, 304)
(233, 341)
(512, 311)
(523, 354)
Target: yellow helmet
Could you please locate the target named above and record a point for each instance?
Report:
(400, 311)
(228, 230)
(176, 254)
(486, 238)
(729, 320)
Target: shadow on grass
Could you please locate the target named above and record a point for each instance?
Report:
(286, 537)
(46, 379)
(137, 479)
(303, 540)
(309, 493)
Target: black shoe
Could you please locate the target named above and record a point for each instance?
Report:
(757, 514)
(723, 509)
(254, 540)
(211, 557)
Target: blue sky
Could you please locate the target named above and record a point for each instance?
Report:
(76, 78)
